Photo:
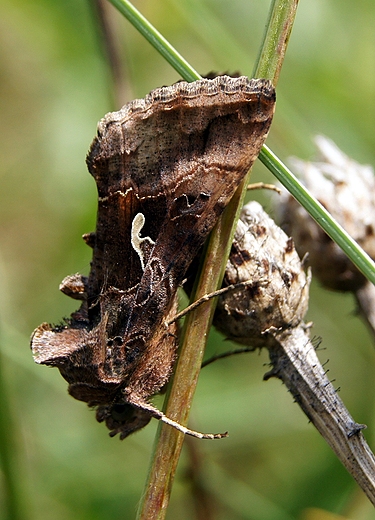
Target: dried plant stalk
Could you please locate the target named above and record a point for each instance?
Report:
(269, 313)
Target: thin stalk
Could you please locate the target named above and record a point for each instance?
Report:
(168, 443)
(109, 46)
(275, 39)
(156, 39)
(294, 361)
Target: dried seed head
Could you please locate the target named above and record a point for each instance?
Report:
(347, 190)
(277, 299)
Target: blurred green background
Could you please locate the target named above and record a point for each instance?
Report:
(55, 86)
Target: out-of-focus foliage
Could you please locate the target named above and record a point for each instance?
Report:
(54, 87)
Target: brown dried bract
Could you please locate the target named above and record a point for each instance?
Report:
(346, 189)
(165, 168)
(277, 297)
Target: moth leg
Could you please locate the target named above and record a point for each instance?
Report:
(226, 354)
(214, 294)
(263, 186)
(157, 414)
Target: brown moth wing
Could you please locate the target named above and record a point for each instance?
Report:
(169, 163)
(165, 168)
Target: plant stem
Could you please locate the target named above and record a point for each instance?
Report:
(295, 362)
(275, 40)
(109, 46)
(168, 443)
(156, 39)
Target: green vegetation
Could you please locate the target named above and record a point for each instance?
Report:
(55, 86)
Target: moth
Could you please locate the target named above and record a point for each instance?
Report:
(165, 168)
